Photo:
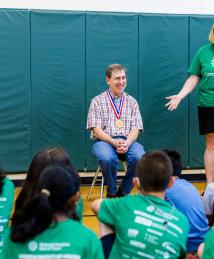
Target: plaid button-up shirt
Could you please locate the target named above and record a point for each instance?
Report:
(101, 115)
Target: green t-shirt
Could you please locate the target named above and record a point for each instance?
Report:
(145, 227)
(6, 204)
(209, 244)
(79, 209)
(67, 239)
(203, 66)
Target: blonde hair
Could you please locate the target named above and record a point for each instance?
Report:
(211, 35)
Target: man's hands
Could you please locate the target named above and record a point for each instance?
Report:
(121, 145)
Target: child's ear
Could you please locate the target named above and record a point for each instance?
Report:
(136, 182)
(76, 196)
(74, 199)
(171, 182)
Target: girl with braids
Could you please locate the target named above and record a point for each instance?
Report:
(42, 159)
(44, 227)
(6, 204)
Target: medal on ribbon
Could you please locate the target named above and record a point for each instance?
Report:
(117, 112)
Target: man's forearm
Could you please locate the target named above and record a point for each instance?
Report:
(101, 135)
(132, 136)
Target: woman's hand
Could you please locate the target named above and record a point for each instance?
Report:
(173, 103)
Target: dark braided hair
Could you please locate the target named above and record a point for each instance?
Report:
(56, 185)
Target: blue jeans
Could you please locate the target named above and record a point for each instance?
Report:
(108, 159)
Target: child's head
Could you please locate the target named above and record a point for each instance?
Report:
(44, 158)
(176, 161)
(154, 171)
(59, 184)
(58, 193)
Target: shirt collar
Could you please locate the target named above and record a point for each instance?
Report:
(115, 98)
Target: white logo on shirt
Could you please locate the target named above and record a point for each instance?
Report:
(32, 246)
(132, 232)
(150, 208)
(212, 62)
(169, 247)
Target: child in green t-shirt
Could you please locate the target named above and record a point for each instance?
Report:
(146, 226)
(44, 228)
(6, 204)
(205, 250)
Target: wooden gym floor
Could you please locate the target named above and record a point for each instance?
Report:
(89, 219)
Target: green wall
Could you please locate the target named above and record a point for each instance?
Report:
(52, 63)
(15, 102)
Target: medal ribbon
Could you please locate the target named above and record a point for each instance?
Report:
(117, 112)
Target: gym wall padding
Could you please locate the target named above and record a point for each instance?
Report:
(163, 64)
(58, 82)
(15, 107)
(52, 63)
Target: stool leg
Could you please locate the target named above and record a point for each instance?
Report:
(93, 183)
(125, 168)
(102, 188)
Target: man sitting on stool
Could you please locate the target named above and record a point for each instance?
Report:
(115, 121)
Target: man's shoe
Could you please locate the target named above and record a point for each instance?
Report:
(120, 193)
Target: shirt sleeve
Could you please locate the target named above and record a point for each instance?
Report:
(79, 209)
(99, 251)
(10, 198)
(183, 238)
(195, 67)
(208, 246)
(94, 249)
(208, 199)
(94, 115)
(108, 211)
(6, 208)
(4, 250)
(137, 122)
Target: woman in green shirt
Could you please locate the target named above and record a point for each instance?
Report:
(44, 228)
(202, 73)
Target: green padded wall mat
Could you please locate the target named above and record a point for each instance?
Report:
(53, 63)
(58, 82)
(15, 126)
(110, 38)
(163, 60)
